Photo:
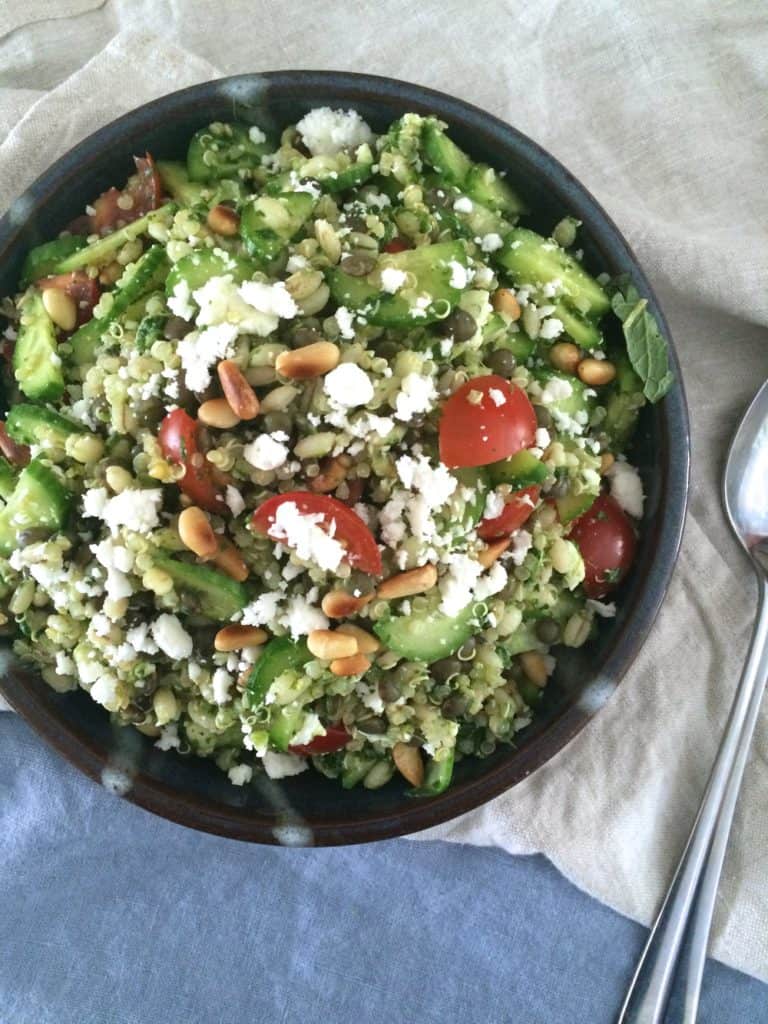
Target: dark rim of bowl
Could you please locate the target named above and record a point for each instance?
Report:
(415, 815)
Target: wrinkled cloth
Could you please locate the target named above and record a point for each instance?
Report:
(659, 109)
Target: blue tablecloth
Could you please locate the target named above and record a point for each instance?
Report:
(109, 915)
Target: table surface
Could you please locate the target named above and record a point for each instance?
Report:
(109, 915)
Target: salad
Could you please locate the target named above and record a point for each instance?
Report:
(314, 452)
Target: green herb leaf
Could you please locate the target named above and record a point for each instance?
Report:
(646, 346)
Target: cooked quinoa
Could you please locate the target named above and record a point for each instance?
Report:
(315, 454)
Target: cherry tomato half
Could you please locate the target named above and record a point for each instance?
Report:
(79, 286)
(349, 528)
(336, 737)
(515, 512)
(178, 437)
(17, 454)
(475, 431)
(607, 542)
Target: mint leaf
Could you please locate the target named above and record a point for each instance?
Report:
(646, 347)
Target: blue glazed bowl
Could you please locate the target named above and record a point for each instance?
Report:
(311, 809)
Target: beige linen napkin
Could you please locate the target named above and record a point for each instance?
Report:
(660, 114)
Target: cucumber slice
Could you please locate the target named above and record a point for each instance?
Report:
(44, 259)
(148, 273)
(431, 268)
(428, 636)
(519, 470)
(35, 424)
(580, 330)
(571, 506)
(39, 500)
(149, 331)
(440, 152)
(278, 656)
(177, 184)
(36, 361)
(199, 267)
(523, 639)
(206, 591)
(270, 222)
(339, 172)
(437, 777)
(283, 725)
(477, 479)
(102, 250)
(7, 478)
(484, 185)
(222, 150)
(534, 260)
(621, 414)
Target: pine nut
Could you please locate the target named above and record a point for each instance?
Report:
(237, 391)
(409, 763)
(492, 552)
(535, 668)
(223, 220)
(596, 372)
(606, 461)
(354, 665)
(367, 643)
(338, 604)
(565, 356)
(504, 301)
(327, 645)
(60, 307)
(332, 472)
(196, 532)
(218, 413)
(310, 361)
(230, 561)
(406, 584)
(235, 638)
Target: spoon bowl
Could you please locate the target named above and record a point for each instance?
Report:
(745, 483)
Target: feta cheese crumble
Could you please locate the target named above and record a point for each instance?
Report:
(417, 395)
(171, 637)
(627, 487)
(392, 279)
(463, 205)
(327, 131)
(268, 451)
(304, 534)
(348, 386)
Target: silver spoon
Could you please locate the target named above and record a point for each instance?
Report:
(690, 900)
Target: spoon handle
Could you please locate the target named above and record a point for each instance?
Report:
(648, 993)
(754, 678)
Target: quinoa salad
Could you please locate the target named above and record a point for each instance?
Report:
(314, 452)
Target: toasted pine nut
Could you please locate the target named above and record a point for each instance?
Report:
(110, 273)
(196, 532)
(230, 561)
(409, 763)
(406, 584)
(535, 668)
(606, 461)
(332, 471)
(327, 645)
(237, 391)
(235, 638)
(354, 665)
(338, 604)
(492, 552)
(310, 361)
(596, 372)
(217, 412)
(60, 307)
(503, 301)
(223, 220)
(565, 356)
(367, 643)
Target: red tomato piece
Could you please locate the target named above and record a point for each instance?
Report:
(607, 543)
(500, 422)
(116, 207)
(82, 288)
(17, 454)
(396, 245)
(178, 437)
(336, 737)
(349, 529)
(515, 512)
